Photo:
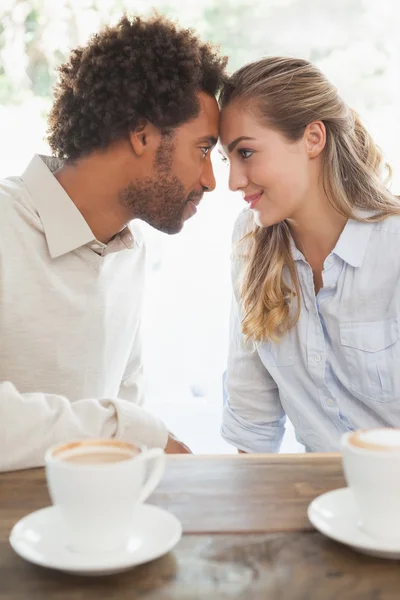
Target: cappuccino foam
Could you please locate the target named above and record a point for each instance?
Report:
(379, 439)
(96, 458)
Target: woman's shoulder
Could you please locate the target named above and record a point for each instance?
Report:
(243, 225)
(390, 225)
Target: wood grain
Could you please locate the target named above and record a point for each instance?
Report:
(247, 538)
(280, 566)
(212, 494)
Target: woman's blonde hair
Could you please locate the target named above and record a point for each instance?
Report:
(287, 94)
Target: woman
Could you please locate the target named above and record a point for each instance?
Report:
(316, 265)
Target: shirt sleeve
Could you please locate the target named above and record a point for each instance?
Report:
(253, 417)
(132, 384)
(30, 423)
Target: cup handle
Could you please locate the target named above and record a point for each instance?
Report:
(157, 458)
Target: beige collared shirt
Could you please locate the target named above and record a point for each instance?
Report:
(70, 350)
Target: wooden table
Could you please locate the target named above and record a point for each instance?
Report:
(246, 537)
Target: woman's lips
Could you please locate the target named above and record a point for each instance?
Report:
(252, 200)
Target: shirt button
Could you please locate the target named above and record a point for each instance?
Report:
(330, 402)
(318, 357)
(329, 260)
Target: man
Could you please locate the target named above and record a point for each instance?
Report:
(132, 126)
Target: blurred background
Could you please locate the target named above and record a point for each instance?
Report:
(357, 45)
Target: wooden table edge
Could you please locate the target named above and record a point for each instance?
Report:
(271, 457)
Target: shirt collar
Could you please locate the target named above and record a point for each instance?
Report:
(295, 252)
(64, 226)
(352, 243)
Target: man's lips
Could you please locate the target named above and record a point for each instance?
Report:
(194, 200)
(252, 200)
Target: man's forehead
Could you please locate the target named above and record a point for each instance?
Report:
(205, 124)
(209, 110)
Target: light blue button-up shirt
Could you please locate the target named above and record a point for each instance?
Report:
(338, 368)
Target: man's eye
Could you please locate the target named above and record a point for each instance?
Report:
(205, 150)
(245, 154)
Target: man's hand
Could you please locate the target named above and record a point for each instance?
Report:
(174, 446)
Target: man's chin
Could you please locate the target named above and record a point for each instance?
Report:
(171, 229)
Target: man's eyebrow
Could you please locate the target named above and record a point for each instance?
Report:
(233, 144)
(208, 139)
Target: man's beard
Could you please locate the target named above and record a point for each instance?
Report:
(159, 200)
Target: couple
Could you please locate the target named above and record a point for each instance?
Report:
(315, 315)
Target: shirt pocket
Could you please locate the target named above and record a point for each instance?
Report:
(372, 354)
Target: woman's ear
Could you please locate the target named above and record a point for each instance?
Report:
(315, 138)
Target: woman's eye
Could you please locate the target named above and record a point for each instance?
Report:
(245, 153)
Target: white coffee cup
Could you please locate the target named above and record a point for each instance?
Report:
(97, 484)
(371, 464)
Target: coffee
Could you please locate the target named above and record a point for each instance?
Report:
(97, 489)
(371, 464)
(94, 451)
(379, 439)
(97, 458)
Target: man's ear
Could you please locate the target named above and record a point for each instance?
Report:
(145, 136)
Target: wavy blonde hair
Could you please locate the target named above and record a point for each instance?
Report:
(287, 94)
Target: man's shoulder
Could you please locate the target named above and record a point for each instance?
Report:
(12, 190)
(15, 202)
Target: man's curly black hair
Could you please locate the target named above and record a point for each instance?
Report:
(140, 69)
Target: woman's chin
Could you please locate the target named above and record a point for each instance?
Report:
(265, 220)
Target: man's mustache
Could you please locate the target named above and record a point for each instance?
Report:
(195, 196)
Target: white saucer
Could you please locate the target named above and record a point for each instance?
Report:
(38, 538)
(335, 515)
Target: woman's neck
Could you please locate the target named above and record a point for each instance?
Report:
(316, 229)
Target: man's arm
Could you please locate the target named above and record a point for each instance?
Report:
(32, 422)
(175, 446)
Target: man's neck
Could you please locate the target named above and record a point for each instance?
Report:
(91, 184)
